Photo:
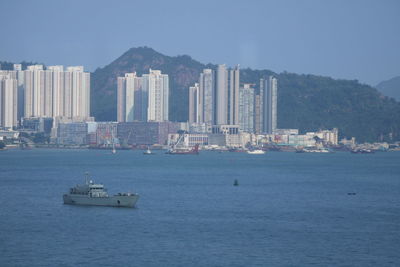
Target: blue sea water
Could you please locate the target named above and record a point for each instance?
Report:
(288, 210)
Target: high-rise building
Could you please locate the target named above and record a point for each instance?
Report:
(270, 105)
(143, 98)
(32, 85)
(233, 94)
(206, 98)
(80, 91)
(246, 108)
(121, 99)
(56, 74)
(221, 96)
(259, 109)
(156, 87)
(130, 98)
(227, 96)
(257, 114)
(56, 93)
(195, 106)
(17, 74)
(8, 101)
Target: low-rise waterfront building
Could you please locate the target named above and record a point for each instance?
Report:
(145, 133)
(188, 140)
(72, 133)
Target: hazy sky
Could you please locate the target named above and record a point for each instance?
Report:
(343, 39)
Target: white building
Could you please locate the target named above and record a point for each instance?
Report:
(156, 86)
(221, 96)
(8, 101)
(130, 100)
(188, 140)
(227, 96)
(56, 93)
(270, 105)
(143, 98)
(206, 98)
(246, 108)
(233, 94)
(195, 106)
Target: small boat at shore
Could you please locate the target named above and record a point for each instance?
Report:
(256, 152)
(184, 150)
(362, 151)
(148, 152)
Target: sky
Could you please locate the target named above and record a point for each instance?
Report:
(344, 39)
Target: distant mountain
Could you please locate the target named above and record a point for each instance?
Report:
(306, 102)
(183, 72)
(390, 88)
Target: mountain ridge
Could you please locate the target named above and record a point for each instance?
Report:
(390, 88)
(305, 101)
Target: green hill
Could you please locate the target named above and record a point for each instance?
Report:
(390, 88)
(183, 71)
(306, 102)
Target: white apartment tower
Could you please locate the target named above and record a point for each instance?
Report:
(8, 101)
(227, 96)
(129, 98)
(143, 98)
(221, 96)
(206, 98)
(195, 106)
(156, 86)
(56, 74)
(56, 93)
(270, 105)
(79, 83)
(233, 93)
(246, 108)
(17, 74)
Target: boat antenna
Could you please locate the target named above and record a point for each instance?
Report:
(87, 177)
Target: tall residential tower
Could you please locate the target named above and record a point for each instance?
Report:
(270, 105)
(143, 98)
(8, 101)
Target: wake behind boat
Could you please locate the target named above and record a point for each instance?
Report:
(93, 194)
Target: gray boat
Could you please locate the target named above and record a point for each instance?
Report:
(93, 194)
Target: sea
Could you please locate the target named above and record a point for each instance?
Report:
(288, 209)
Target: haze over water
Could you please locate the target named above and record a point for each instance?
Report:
(288, 210)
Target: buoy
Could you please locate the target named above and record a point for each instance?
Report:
(236, 183)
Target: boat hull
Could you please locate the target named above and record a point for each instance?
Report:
(113, 201)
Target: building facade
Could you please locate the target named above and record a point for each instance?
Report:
(143, 98)
(145, 133)
(207, 98)
(246, 108)
(233, 95)
(195, 106)
(130, 106)
(270, 105)
(56, 93)
(156, 86)
(8, 101)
